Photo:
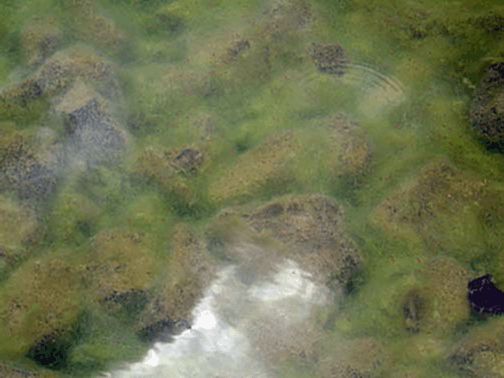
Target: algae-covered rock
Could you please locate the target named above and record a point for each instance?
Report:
(56, 74)
(440, 206)
(18, 227)
(350, 152)
(329, 58)
(438, 304)
(40, 304)
(40, 38)
(73, 217)
(480, 353)
(76, 62)
(172, 170)
(309, 229)
(122, 266)
(363, 357)
(94, 135)
(188, 160)
(487, 109)
(90, 25)
(27, 168)
(257, 169)
(313, 229)
(188, 273)
(9, 371)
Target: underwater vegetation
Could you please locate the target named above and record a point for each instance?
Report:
(145, 144)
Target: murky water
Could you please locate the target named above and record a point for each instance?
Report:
(251, 188)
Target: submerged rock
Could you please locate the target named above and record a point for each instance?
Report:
(313, 228)
(122, 267)
(329, 58)
(487, 109)
(349, 147)
(480, 353)
(256, 169)
(309, 229)
(39, 39)
(40, 304)
(78, 62)
(188, 160)
(29, 170)
(237, 48)
(364, 357)
(189, 272)
(427, 208)
(485, 297)
(94, 135)
(58, 72)
(438, 303)
(18, 227)
(13, 372)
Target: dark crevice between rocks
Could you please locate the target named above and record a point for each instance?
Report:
(52, 350)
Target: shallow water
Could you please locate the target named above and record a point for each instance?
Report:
(310, 185)
(223, 340)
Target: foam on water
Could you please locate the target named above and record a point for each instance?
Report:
(221, 342)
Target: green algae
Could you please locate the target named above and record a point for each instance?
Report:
(415, 180)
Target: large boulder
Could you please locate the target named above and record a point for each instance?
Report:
(487, 109)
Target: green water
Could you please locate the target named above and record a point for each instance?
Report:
(389, 139)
